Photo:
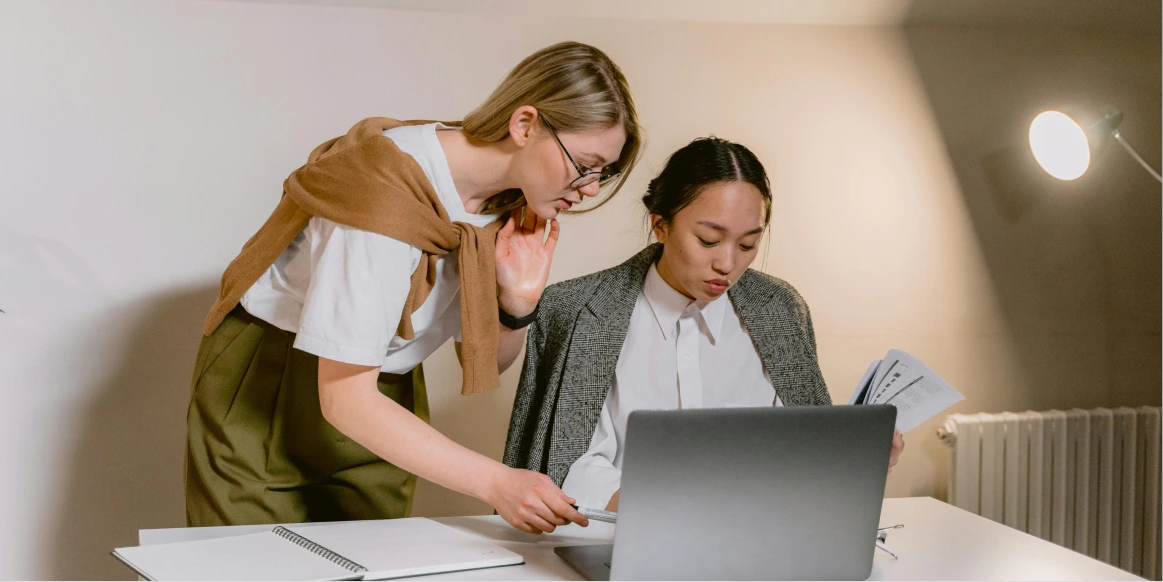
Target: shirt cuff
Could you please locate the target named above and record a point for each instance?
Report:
(592, 486)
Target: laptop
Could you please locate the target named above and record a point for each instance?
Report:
(780, 493)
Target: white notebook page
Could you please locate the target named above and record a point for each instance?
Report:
(260, 556)
(393, 548)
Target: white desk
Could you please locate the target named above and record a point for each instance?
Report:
(938, 542)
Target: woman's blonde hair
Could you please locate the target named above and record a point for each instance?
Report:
(575, 86)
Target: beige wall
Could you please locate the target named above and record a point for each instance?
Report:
(145, 141)
(869, 223)
(1073, 267)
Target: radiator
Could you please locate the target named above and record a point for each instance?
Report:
(1084, 479)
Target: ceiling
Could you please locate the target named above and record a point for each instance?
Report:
(1112, 15)
(1140, 16)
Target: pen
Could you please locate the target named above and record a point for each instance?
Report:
(597, 514)
(886, 528)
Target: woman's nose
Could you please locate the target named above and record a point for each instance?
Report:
(724, 263)
(590, 189)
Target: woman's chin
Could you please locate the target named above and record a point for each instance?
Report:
(546, 211)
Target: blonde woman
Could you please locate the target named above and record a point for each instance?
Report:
(309, 401)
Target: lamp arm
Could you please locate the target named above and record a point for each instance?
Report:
(1118, 135)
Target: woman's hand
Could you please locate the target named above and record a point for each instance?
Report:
(898, 445)
(523, 258)
(530, 502)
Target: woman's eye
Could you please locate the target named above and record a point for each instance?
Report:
(747, 247)
(707, 243)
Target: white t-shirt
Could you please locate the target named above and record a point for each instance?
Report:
(342, 290)
(678, 354)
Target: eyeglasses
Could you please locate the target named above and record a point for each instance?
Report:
(585, 176)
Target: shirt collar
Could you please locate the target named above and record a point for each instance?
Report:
(668, 305)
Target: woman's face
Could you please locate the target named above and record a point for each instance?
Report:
(544, 172)
(711, 242)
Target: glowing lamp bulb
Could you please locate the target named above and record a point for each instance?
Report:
(1059, 145)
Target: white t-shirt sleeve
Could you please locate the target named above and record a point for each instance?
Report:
(593, 479)
(354, 301)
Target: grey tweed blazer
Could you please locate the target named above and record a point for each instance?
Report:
(574, 344)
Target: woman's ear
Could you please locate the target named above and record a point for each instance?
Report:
(659, 227)
(523, 125)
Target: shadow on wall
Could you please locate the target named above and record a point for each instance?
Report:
(126, 473)
(1075, 266)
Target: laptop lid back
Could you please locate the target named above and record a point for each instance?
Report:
(752, 493)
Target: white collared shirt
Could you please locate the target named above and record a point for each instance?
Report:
(342, 289)
(678, 354)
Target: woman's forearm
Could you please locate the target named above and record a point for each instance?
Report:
(509, 343)
(508, 346)
(351, 401)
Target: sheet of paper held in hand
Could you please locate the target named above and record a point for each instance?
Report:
(907, 383)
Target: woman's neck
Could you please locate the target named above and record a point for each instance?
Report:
(480, 170)
(668, 276)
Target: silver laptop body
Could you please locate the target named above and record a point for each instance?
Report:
(781, 493)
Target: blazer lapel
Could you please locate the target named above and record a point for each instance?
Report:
(775, 334)
(598, 336)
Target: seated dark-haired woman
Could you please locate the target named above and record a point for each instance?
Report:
(683, 324)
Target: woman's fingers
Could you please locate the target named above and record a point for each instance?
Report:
(539, 229)
(554, 233)
(516, 217)
(540, 524)
(898, 445)
(507, 230)
(562, 507)
(521, 525)
(531, 502)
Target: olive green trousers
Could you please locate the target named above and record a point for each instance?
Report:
(258, 449)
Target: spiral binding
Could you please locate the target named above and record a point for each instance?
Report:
(318, 550)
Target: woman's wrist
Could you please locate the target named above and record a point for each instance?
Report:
(494, 474)
(517, 304)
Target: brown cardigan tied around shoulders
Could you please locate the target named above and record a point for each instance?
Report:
(364, 181)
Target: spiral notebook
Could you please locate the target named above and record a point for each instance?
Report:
(354, 550)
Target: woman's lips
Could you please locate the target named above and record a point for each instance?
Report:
(717, 286)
